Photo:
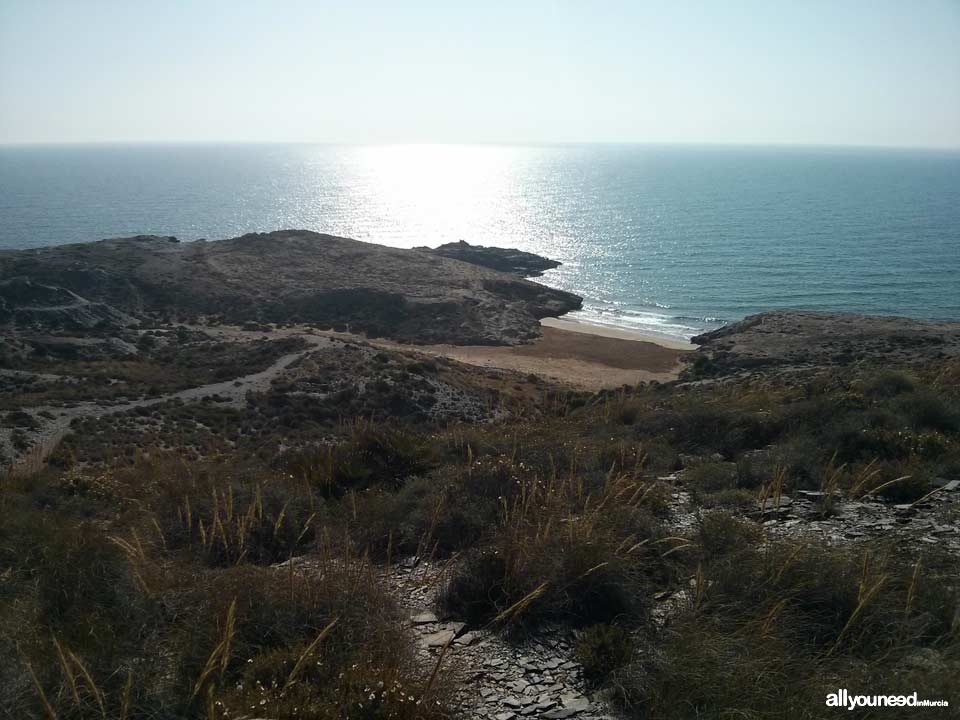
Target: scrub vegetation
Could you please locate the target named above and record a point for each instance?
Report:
(247, 580)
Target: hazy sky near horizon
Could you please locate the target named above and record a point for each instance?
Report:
(851, 72)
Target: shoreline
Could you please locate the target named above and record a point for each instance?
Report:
(607, 331)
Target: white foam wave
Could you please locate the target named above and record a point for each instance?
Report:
(648, 322)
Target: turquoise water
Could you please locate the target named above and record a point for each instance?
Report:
(666, 239)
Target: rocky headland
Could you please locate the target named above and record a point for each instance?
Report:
(287, 276)
(508, 260)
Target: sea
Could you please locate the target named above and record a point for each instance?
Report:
(669, 240)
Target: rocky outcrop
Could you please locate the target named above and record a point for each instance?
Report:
(794, 338)
(286, 276)
(508, 260)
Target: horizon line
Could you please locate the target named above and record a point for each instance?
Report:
(548, 143)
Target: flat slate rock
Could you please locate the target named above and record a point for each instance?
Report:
(424, 618)
(439, 638)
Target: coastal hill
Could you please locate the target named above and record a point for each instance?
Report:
(780, 339)
(212, 500)
(281, 277)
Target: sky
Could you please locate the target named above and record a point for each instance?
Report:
(822, 72)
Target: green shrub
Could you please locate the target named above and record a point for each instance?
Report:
(701, 669)
(889, 383)
(604, 649)
(720, 533)
(898, 482)
(731, 498)
(926, 410)
(711, 477)
(372, 455)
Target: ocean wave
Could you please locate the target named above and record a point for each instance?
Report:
(646, 321)
(707, 319)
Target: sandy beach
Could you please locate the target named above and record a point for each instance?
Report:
(608, 331)
(580, 354)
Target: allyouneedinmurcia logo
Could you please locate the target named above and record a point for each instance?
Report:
(843, 699)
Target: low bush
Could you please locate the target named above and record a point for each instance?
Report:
(450, 510)
(720, 533)
(898, 482)
(888, 383)
(711, 477)
(927, 410)
(604, 649)
(372, 455)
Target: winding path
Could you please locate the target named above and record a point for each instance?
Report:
(235, 391)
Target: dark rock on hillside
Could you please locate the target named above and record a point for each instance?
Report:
(25, 303)
(509, 260)
(798, 338)
(284, 276)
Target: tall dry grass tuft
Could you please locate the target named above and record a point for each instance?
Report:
(220, 656)
(565, 550)
(227, 532)
(772, 625)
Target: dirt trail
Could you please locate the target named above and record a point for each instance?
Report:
(579, 358)
(232, 392)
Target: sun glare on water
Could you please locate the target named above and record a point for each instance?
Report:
(428, 194)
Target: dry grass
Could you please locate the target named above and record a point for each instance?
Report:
(771, 629)
(564, 551)
(147, 591)
(127, 618)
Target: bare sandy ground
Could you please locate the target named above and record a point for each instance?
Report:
(586, 356)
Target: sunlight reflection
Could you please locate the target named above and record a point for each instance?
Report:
(453, 188)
